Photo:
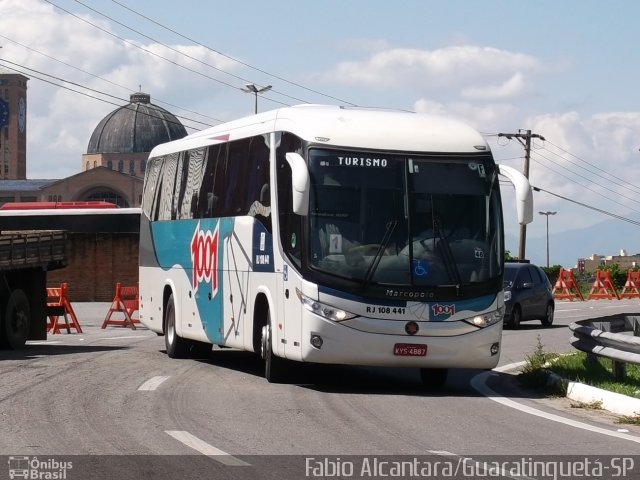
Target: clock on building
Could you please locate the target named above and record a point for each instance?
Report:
(22, 114)
(4, 113)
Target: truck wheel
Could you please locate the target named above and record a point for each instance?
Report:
(176, 347)
(16, 321)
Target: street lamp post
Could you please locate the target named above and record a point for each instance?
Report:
(252, 88)
(546, 214)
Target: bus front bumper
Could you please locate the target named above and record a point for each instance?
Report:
(326, 341)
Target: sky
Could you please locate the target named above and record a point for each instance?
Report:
(567, 71)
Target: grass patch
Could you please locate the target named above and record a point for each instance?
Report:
(575, 367)
(534, 373)
(595, 405)
(628, 420)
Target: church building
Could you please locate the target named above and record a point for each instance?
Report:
(113, 166)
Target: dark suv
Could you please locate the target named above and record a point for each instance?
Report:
(527, 295)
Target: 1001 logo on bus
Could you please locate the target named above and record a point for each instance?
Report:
(443, 309)
(204, 258)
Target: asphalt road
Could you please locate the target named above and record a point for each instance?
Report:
(114, 401)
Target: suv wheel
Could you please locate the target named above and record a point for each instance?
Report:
(516, 317)
(547, 321)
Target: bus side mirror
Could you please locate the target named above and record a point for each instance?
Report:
(524, 194)
(300, 183)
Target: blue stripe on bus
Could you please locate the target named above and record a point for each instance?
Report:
(197, 246)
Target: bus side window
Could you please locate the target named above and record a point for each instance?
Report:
(180, 184)
(192, 180)
(215, 196)
(203, 204)
(152, 178)
(258, 201)
(290, 223)
(167, 186)
(236, 172)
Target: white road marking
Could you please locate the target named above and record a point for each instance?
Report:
(479, 383)
(152, 383)
(46, 342)
(206, 449)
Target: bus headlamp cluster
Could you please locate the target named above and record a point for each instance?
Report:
(322, 309)
(487, 319)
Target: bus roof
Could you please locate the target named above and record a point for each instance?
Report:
(359, 127)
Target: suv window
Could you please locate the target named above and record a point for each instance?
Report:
(535, 275)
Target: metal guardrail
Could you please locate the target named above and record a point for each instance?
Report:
(616, 337)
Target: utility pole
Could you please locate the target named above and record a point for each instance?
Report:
(524, 137)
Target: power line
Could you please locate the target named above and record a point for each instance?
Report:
(4, 64)
(604, 212)
(581, 185)
(105, 79)
(232, 58)
(589, 180)
(151, 52)
(191, 57)
(624, 183)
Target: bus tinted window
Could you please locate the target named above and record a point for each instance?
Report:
(290, 223)
(167, 187)
(150, 185)
(192, 166)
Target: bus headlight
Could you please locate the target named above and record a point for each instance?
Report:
(486, 319)
(322, 309)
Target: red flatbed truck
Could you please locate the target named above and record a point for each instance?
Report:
(25, 259)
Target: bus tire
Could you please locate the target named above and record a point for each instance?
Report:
(16, 322)
(274, 366)
(434, 377)
(177, 347)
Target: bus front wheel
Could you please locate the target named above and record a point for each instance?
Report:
(177, 347)
(273, 366)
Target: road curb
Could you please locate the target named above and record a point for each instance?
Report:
(613, 402)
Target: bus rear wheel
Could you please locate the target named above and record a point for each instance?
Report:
(16, 322)
(434, 377)
(177, 347)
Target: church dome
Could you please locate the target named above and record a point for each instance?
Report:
(136, 127)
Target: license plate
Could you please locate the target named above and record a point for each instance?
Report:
(409, 350)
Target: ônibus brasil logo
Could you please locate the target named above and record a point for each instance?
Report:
(204, 257)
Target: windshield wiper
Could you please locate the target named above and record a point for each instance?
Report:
(382, 246)
(447, 257)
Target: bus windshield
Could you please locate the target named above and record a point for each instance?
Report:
(419, 221)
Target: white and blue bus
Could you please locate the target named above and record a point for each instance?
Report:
(328, 234)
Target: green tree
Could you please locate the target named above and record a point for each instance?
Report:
(552, 272)
(618, 277)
